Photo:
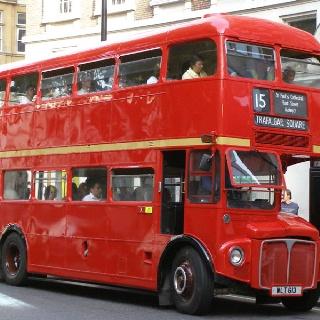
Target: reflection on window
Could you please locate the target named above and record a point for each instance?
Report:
(3, 84)
(23, 89)
(89, 184)
(254, 168)
(139, 69)
(95, 76)
(250, 61)
(300, 68)
(17, 185)
(202, 187)
(182, 55)
(51, 185)
(57, 83)
(132, 184)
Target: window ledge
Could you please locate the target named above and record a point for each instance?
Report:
(60, 18)
(163, 2)
(118, 8)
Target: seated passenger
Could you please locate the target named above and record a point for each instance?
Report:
(288, 74)
(50, 193)
(95, 192)
(30, 92)
(86, 85)
(195, 70)
(155, 76)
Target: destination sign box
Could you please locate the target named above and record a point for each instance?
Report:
(282, 123)
(290, 104)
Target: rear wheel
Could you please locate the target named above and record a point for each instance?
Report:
(14, 260)
(304, 303)
(192, 283)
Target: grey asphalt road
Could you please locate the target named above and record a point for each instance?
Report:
(55, 300)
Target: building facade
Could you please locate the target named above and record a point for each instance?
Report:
(12, 30)
(55, 26)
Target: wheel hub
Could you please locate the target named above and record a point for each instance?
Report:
(183, 280)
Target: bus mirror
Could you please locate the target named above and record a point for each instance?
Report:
(205, 162)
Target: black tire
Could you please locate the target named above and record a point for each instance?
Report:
(191, 283)
(14, 260)
(302, 304)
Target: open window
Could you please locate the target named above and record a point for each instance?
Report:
(140, 68)
(204, 177)
(182, 55)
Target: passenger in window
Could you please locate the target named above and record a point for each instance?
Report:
(10, 192)
(95, 191)
(50, 192)
(86, 85)
(82, 190)
(259, 70)
(155, 76)
(288, 74)
(196, 69)
(30, 92)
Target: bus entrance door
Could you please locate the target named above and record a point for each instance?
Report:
(315, 196)
(172, 201)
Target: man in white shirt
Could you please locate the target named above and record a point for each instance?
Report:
(195, 70)
(28, 98)
(95, 192)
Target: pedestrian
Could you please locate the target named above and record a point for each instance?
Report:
(287, 205)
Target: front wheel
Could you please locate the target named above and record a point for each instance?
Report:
(192, 283)
(304, 303)
(14, 260)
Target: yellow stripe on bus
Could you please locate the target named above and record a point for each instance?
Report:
(183, 142)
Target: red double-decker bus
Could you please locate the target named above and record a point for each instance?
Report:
(156, 164)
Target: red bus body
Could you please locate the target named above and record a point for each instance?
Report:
(120, 243)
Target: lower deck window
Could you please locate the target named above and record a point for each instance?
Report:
(89, 184)
(17, 185)
(132, 184)
(51, 185)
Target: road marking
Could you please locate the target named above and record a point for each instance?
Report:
(6, 301)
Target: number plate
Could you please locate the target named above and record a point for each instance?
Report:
(286, 291)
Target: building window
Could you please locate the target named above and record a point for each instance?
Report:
(65, 6)
(306, 21)
(21, 31)
(1, 30)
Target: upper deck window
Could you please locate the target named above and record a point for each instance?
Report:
(141, 68)
(95, 76)
(3, 84)
(23, 89)
(191, 60)
(300, 68)
(57, 83)
(250, 61)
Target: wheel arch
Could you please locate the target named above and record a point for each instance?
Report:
(11, 228)
(166, 259)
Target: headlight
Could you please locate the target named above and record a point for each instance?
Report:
(236, 256)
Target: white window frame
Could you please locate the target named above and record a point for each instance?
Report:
(115, 6)
(51, 12)
(20, 29)
(1, 30)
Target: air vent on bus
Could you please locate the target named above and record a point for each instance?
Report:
(281, 139)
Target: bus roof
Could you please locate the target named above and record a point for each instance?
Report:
(242, 28)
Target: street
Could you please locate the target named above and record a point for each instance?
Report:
(52, 300)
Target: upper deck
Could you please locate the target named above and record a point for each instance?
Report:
(165, 111)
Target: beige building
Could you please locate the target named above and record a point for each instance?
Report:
(12, 30)
(55, 26)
